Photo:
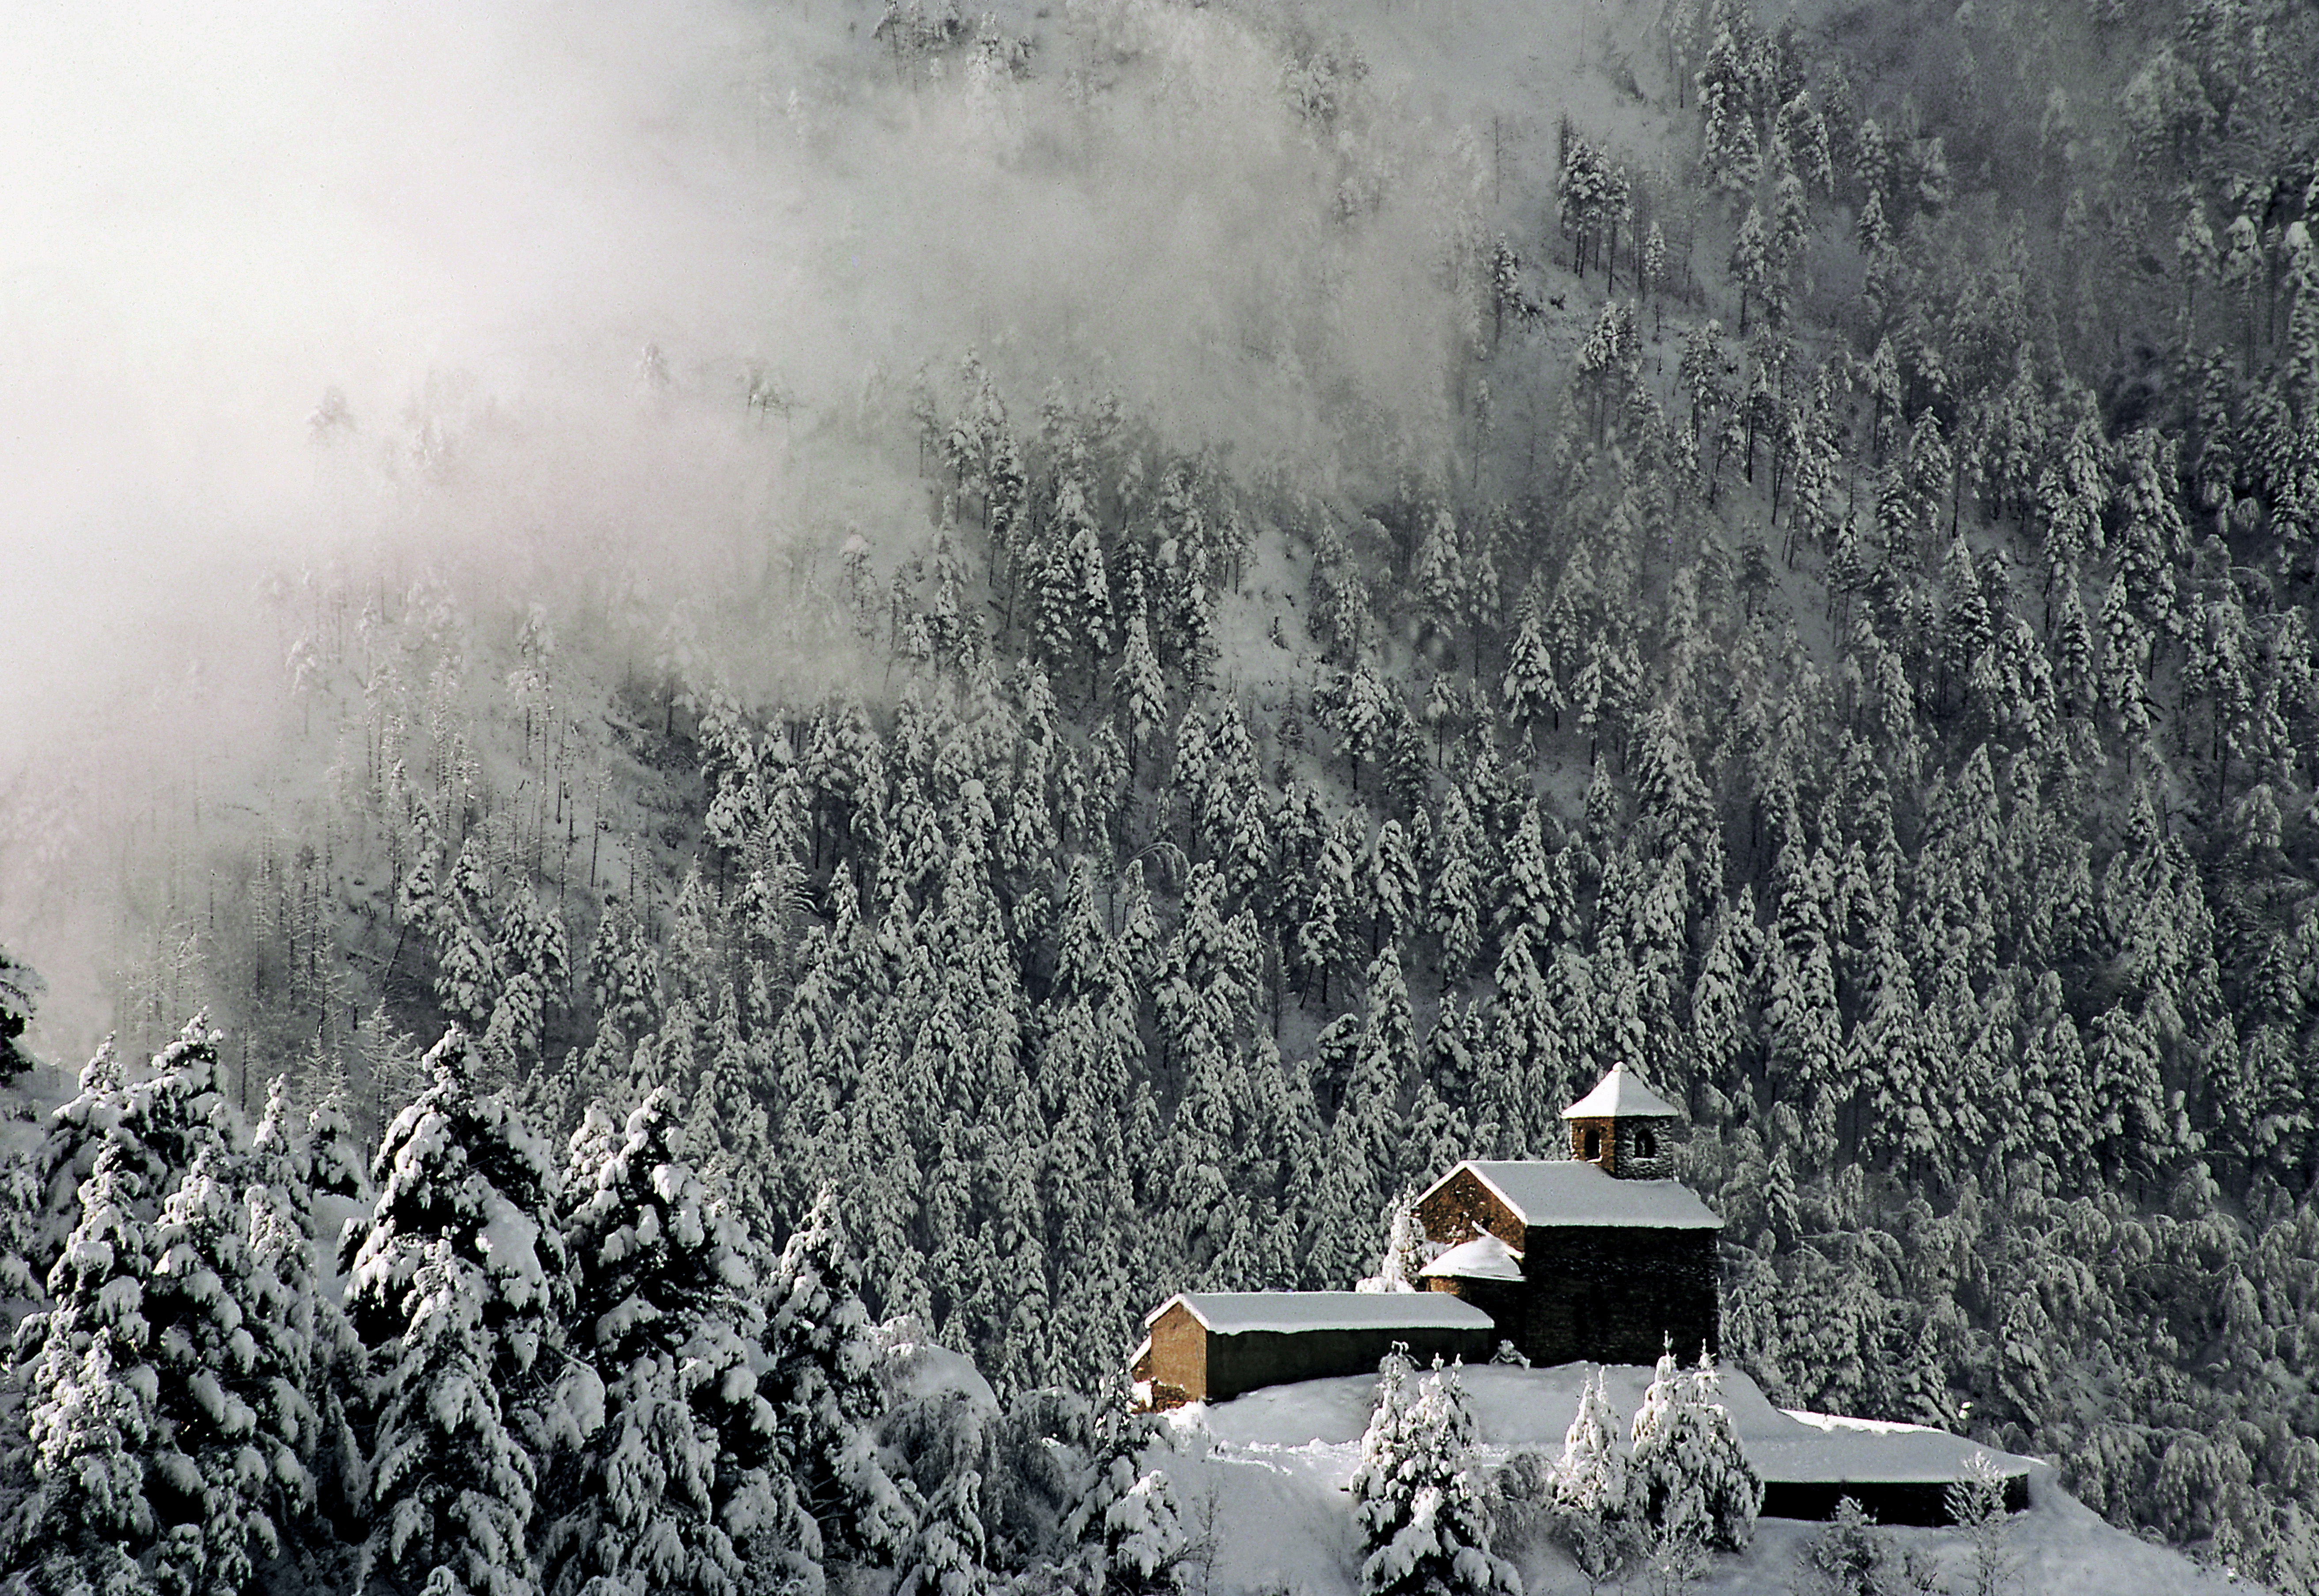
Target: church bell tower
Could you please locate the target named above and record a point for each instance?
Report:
(1624, 1129)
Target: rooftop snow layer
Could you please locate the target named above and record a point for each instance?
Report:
(1237, 1312)
(1621, 1094)
(1565, 1191)
(1484, 1258)
(1517, 1408)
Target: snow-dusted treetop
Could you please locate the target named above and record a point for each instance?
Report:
(1484, 1258)
(1565, 1191)
(1235, 1312)
(1621, 1095)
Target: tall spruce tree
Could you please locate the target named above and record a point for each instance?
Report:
(92, 1393)
(685, 1470)
(822, 1355)
(458, 1285)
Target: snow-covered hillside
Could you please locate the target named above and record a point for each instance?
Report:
(1274, 1466)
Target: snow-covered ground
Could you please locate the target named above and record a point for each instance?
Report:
(1272, 1467)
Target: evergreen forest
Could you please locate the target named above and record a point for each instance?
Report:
(1833, 626)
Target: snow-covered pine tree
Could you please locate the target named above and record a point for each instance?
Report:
(822, 1355)
(459, 1287)
(90, 1392)
(176, 1113)
(388, 1057)
(1132, 1532)
(157, 1126)
(948, 1553)
(1691, 1483)
(1851, 1558)
(20, 998)
(1405, 1252)
(230, 1415)
(1593, 1501)
(1976, 1505)
(1074, 590)
(452, 1486)
(77, 1132)
(1140, 690)
(532, 956)
(729, 1124)
(684, 1470)
(334, 1157)
(466, 969)
(623, 977)
(1531, 693)
(1418, 1498)
(1730, 154)
(1453, 907)
(301, 1329)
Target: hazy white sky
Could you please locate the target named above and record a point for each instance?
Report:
(208, 213)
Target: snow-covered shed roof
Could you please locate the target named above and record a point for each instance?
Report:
(1236, 1313)
(1621, 1094)
(1484, 1258)
(1566, 1192)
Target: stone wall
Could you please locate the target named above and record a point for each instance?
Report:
(1644, 1149)
(1618, 1295)
(1629, 1149)
(1502, 1300)
(1450, 1214)
(1255, 1358)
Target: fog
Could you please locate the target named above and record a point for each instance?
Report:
(470, 222)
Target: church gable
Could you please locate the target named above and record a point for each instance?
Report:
(1461, 1206)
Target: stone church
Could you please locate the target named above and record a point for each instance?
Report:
(1602, 1256)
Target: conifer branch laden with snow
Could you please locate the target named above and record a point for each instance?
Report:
(21, 988)
(458, 1285)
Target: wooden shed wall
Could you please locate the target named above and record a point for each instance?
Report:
(1179, 1358)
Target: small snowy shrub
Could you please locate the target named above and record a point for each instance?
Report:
(1418, 1497)
(1688, 1479)
(1594, 1511)
(1976, 1506)
(1851, 1558)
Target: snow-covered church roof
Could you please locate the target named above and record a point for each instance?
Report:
(1484, 1258)
(1621, 1094)
(1566, 1192)
(1236, 1313)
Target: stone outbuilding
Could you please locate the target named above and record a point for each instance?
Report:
(1210, 1346)
(1601, 1256)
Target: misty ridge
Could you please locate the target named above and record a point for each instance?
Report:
(441, 252)
(985, 665)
